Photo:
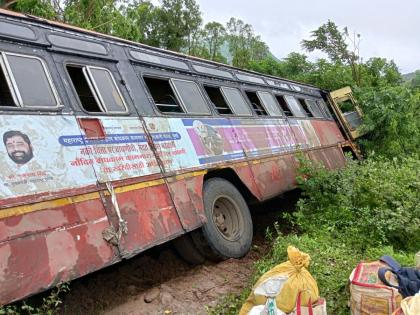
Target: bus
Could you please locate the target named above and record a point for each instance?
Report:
(111, 147)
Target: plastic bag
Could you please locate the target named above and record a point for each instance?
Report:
(299, 280)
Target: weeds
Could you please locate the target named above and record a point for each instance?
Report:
(50, 305)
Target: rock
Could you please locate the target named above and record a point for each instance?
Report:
(151, 295)
(166, 298)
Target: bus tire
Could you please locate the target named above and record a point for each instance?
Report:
(186, 248)
(228, 231)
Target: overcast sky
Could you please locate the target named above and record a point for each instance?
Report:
(389, 29)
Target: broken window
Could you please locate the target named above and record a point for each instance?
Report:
(284, 106)
(256, 104)
(305, 107)
(217, 99)
(96, 89)
(314, 108)
(295, 106)
(163, 95)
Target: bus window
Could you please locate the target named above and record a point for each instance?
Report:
(323, 106)
(256, 104)
(294, 106)
(106, 86)
(284, 106)
(314, 108)
(270, 103)
(217, 99)
(6, 97)
(305, 107)
(236, 101)
(163, 95)
(96, 89)
(25, 82)
(191, 96)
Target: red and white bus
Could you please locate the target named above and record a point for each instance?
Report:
(110, 147)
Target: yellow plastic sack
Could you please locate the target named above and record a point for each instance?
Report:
(299, 280)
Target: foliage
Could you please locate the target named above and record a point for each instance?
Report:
(244, 45)
(415, 81)
(371, 203)
(391, 115)
(379, 72)
(50, 305)
(213, 37)
(329, 39)
(43, 8)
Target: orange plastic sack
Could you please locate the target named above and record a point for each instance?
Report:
(368, 294)
(299, 280)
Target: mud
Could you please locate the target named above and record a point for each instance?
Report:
(168, 284)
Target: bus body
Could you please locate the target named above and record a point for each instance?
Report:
(112, 147)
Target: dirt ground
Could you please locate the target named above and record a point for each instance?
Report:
(160, 282)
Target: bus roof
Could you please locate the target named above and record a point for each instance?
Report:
(41, 21)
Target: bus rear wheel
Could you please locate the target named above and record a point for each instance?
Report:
(228, 231)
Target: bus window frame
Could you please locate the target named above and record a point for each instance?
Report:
(150, 95)
(267, 114)
(209, 113)
(213, 85)
(301, 109)
(276, 102)
(251, 112)
(94, 90)
(14, 88)
(152, 75)
(311, 109)
(282, 94)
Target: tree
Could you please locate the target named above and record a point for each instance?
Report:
(244, 45)
(379, 72)
(179, 24)
(138, 22)
(42, 8)
(99, 15)
(415, 81)
(214, 35)
(330, 40)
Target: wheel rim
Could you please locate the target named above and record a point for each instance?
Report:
(227, 218)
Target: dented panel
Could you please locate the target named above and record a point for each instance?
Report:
(39, 260)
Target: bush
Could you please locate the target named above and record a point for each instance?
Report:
(392, 118)
(369, 203)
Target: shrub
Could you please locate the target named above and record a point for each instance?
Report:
(392, 117)
(368, 203)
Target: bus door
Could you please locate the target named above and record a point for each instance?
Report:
(347, 112)
(119, 150)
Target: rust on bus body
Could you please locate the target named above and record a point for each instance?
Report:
(44, 248)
